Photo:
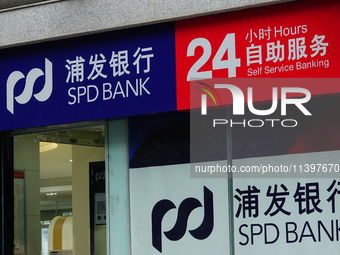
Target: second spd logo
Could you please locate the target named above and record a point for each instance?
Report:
(186, 207)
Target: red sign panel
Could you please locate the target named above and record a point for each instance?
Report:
(295, 40)
(19, 175)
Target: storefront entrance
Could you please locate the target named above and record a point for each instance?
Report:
(52, 192)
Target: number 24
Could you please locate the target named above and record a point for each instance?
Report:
(217, 63)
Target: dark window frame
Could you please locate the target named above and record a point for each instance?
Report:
(6, 193)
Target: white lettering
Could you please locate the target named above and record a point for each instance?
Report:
(297, 101)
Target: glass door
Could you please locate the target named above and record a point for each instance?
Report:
(52, 190)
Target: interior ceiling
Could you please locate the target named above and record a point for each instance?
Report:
(56, 163)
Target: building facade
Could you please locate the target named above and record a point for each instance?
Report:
(121, 138)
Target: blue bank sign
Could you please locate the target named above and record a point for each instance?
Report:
(111, 75)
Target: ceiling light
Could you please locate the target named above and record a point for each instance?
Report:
(45, 146)
(53, 189)
(51, 194)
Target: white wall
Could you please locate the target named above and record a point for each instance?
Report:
(27, 159)
(74, 17)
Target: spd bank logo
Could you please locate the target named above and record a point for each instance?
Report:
(30, 80)
(184, 210)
